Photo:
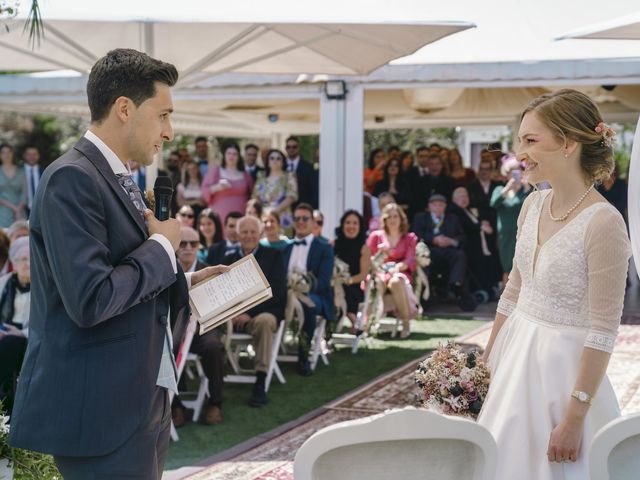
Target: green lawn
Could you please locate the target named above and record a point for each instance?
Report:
(301, 395)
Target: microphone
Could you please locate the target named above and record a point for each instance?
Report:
(162, 193)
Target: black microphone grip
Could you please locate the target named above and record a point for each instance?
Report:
(162, 193)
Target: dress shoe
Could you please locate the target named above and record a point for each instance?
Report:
(211, 415)
(178, 416)
(258, 397)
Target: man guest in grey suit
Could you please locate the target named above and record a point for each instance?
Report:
(104, 281)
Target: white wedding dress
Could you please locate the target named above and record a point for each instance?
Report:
(560, 298)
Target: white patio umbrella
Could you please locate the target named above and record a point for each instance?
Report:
(206, 48)
(622, 28)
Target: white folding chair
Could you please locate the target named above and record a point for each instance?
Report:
(407, 443)
(613, 454)
(235, 343)
(318, 348)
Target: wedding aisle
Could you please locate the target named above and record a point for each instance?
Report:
(273, 458)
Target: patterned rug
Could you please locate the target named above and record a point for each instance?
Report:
(273, 459)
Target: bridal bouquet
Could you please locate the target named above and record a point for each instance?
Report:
(453, 382)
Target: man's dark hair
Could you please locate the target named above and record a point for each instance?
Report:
(421, 148)
(393, 148)
(435, 155)
(251, 145)
(435, 144)
(199, 139)
(293, 138)
(304, 206)
(233, 214)
(125, 72)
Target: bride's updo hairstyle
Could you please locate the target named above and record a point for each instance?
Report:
(572, 115)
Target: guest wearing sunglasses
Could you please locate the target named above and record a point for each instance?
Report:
(305, 174)
(318, 223)
(277, 188)
(310, 255)
(186, 216)
(208, 346)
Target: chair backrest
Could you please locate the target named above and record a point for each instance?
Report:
(407, 443)
(614, 450)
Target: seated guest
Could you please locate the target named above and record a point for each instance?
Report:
(310, 255)
(19, 228)
(384, 199)
(318, 223)
(208, 346)
(350, 246)
(443, 234)
(481, 189)
(4, 253)
(400, 262)
(217, 251)
(394, 183)
(186, 216)
(406, 160)
(462, 177)
(254, 208)
(210, 230)
(261, 321)
(272, 231)
(418, 178)
(480, 245)
(14, 319)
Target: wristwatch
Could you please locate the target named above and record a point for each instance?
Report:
(583, 397)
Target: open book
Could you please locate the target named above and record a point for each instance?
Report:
(223, 297)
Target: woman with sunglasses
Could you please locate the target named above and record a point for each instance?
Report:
(186, 216)
(277, 189)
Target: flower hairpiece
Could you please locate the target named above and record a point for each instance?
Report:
(607, 133)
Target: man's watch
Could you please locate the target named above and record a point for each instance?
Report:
(583, 397)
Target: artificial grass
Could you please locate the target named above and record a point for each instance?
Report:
(301, 395)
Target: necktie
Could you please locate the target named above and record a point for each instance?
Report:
(32, 181)
(126, 181)
(299, 242)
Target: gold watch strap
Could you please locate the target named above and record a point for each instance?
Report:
(583, 397)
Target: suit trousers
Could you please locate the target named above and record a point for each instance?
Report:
(211, 351)
(450, 261)
(261, 328)
(141, 457)
(308, 328)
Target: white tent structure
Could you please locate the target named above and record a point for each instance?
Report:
(623, 28)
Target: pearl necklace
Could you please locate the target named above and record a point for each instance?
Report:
(566, 215)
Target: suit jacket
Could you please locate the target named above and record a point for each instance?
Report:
(272, 264)
(423, 228)
(217, 252)
(99, 311)
(320, 263)
(307, 184)
(254, 172)
(481, 200)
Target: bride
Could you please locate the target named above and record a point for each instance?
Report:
(557, 319)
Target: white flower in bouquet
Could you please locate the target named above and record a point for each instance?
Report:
(341, 272)
(4, 425)
(423, 254)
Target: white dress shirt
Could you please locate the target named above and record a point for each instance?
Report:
(300, 253)
(33, 179)
(292, 164)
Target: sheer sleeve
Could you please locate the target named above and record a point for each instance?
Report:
(511, 292)
(607, 249)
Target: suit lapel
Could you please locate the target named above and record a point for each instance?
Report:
(89, 150)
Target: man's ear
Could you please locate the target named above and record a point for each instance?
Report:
(123, 108)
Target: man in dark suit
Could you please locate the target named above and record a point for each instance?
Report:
(418, 179)
(481, 189)
(230, 244)
(308, 254)
(305, 174)
(251, 166)
(33, 172)
(261, 321)
(93, 387)
(444, 235)
(438, 182)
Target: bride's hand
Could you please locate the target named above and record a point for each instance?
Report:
(564, 443)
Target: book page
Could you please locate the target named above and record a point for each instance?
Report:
(220, 293)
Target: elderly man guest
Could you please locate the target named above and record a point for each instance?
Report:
(261, 321)
(310, 255)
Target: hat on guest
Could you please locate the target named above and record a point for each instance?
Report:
(437, 197)
(16, 248)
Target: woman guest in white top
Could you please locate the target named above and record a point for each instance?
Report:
(14, 318)
(558, 316)
(189, 190)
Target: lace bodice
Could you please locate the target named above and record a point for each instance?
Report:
(577, 278)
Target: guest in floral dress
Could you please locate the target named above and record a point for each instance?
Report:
(400, 262)
(277, 189)
(227, 188)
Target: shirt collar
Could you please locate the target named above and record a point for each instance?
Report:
(114, 162)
